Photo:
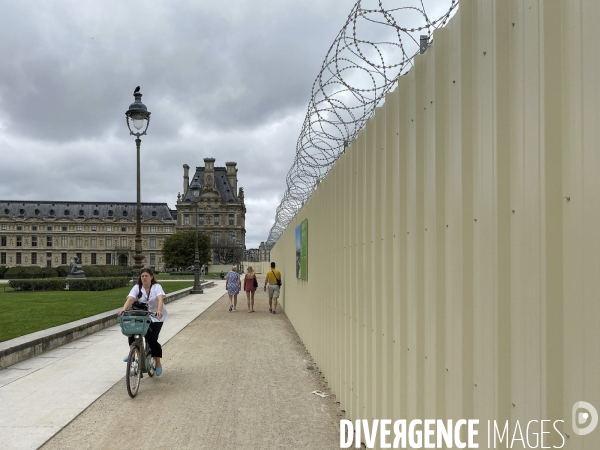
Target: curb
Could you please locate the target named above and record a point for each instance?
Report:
(34, 344)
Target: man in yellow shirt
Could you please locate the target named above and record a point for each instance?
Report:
(273, 280)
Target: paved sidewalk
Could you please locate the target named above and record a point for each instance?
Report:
(230, 380)
(41, 395)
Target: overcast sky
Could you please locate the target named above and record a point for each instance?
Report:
(223, 79)
(229, 79)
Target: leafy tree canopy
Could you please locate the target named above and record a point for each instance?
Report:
(179, 249)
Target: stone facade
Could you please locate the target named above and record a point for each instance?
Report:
(221, 210)
(49, 234)
(263, 253)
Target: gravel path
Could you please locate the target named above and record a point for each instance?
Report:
(230, 381)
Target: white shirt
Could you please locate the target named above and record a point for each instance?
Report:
(151, 300)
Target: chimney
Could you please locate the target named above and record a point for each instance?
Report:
(232, 176)
(209, 165)
(186, 179)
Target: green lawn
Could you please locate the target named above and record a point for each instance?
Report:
(166, 276)
(27, 312)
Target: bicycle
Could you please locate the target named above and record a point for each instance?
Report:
(136, 323)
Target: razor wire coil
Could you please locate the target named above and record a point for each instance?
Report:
(357, 72)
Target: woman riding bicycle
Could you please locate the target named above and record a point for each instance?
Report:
(148, 294)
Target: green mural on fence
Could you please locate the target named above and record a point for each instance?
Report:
(302, 250)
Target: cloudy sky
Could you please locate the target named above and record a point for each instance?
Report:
(225, 79)
(228, 79)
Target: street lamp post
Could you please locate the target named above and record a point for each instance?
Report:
(195, 189)
(138, 113)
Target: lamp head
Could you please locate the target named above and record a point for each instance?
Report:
(138, 113)
(195, 188)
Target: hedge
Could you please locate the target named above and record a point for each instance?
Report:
(27, 272)
(21, 272)
(99, 271)
(43, 284)
(75, 284)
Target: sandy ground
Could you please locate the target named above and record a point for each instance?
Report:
(230, 381)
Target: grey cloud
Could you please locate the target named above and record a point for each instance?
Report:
(229, 80)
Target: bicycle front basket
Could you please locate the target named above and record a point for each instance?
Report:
(131, 325)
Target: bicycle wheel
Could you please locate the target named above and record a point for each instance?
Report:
(134, 371)
(150, 362)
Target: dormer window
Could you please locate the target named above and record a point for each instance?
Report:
(81, 212)
(153, 213)
(67, 212)
(96, 212)
(51, 212)
(110, 213)
(6, 211)
(21, 212)
(124, 213)
(37, 212)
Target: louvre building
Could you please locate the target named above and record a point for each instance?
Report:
(49, 234)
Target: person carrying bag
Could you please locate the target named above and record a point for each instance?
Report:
(273, 280)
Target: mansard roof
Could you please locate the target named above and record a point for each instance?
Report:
(221, 183)
(82, 210)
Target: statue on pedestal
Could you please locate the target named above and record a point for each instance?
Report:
(76, 269)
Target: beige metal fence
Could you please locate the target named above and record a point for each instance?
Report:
(453, 256)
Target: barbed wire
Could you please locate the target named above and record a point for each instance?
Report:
(357, 72)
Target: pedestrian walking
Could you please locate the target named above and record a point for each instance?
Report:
(273, 280)
(222, 275)
(250, 285)
(233, 285)
(147, 294)
(202, 272)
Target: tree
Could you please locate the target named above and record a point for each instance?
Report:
(179, 249)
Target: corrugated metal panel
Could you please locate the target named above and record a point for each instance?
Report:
(454, 249)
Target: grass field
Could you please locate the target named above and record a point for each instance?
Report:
(166, 276)
(28, 312)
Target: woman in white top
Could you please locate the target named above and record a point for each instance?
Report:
(148, 291)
